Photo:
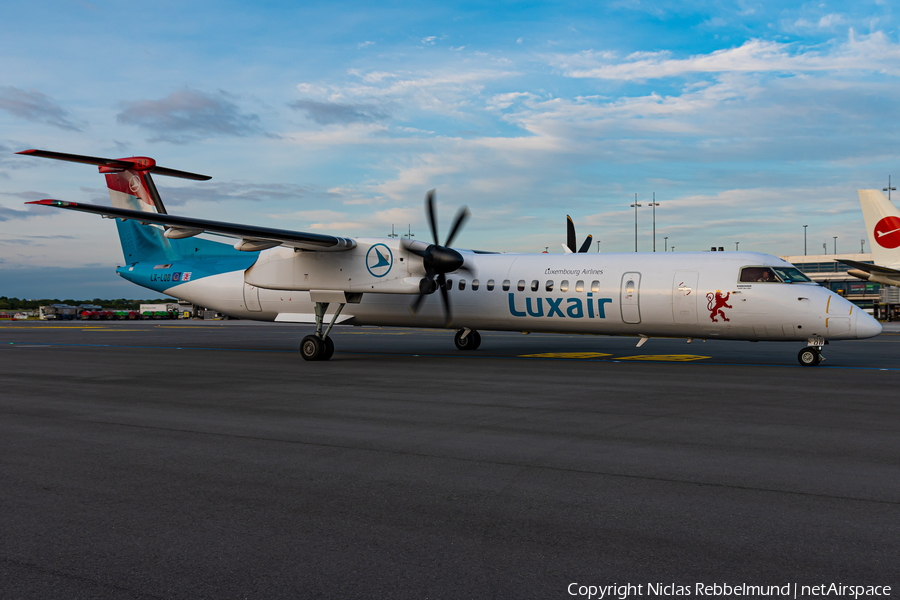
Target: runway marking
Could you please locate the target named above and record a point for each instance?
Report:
(664, 357)
(581, 355)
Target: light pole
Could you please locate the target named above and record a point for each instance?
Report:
(835, 243)
(635, 205)
(825, 248)
(665, 243)
(654, 204)
(736, 246)
(673, 248)
(889, 188)
(598, 246)
(804, 239)
(409, 234)
(392, 234)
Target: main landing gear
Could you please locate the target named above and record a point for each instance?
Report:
(319, 346)
(467, 339)
(812, 354)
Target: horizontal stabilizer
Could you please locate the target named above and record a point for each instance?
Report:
(272, 237)
(869, 268)
(137, 163)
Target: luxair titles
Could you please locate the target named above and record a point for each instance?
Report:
(574, 308)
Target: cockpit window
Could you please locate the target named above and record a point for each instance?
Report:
(791, 275)
(773, 275)
(758, 274)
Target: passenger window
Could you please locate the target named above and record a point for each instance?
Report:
(490, 285)
(758, 275)
(449, 285)
(506, 285)
(549, 286)
(579, 286)
(535, 285)
(595, 286)
(462, 284)
(521, 285)
(564, 285)
(475, 285)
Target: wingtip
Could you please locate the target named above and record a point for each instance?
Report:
(32, 151)
(49, 202)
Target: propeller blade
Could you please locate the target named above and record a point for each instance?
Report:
(587, 244)
(570, 233)
(467, 270)
(432, 217)
(445, 296)
(415, 247)
(461, 215)
(414, 307)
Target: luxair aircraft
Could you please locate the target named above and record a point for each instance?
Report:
(297, 277)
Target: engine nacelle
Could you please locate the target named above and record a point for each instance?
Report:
(374, 266)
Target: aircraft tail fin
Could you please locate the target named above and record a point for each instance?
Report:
(883, 227)
(131, 187)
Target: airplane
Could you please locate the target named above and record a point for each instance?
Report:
(883, 225)
(298, 277)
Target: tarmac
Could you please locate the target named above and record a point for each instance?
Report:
(193, 459)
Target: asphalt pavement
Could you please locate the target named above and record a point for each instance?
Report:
(208, 460)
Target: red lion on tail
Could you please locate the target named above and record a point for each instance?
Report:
(715, 305)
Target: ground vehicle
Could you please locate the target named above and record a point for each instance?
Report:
(57, 312)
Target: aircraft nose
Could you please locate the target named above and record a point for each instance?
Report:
(866, 325)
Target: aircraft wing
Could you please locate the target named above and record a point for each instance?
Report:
(253, 237)
(869, 268)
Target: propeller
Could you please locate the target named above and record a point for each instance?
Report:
(437, 259)
(570, 237)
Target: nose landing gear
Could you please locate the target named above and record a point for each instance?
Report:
(812, 354)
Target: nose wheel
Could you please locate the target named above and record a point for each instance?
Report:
(810, 356)
(467, 339)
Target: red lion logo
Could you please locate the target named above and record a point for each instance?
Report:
(715, 305)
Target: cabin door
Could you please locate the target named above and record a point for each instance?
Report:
(630, 298)
(251, 298)
(684, 296)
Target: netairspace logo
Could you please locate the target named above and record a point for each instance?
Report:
(725, 590)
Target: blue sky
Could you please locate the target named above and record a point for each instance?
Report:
(747, 120)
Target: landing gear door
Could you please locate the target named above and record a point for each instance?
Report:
(630, 297)
(684, 296)
(251, 298)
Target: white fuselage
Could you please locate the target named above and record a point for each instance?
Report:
(688, 295)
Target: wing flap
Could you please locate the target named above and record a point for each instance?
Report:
(266, 235)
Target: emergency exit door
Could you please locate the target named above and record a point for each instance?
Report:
(630, 298)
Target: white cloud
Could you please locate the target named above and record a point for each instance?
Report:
(873, 52)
